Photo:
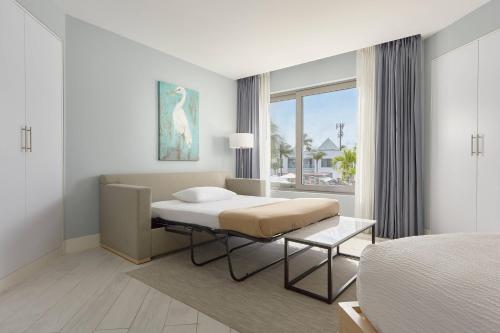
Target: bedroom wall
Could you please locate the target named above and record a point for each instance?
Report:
(480, 22)
(314, 73)
(111, 116)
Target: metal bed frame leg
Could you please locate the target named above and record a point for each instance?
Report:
(224, 239)
(229, 250)
(248, 274)
(192, 246)
(260, 269)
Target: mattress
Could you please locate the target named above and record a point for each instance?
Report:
(439, 283)
(205, 213)
(270, 220)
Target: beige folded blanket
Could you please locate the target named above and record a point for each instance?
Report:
(278, 217)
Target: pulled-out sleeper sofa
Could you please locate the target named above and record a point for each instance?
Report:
(125, 209)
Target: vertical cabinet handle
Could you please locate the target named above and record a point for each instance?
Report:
(23, 138)
(30, 146)
(480, 138)
(472, 151)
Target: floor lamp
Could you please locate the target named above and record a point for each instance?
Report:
(241, 141)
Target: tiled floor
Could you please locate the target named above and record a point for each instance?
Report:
(90, 292)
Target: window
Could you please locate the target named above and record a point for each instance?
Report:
(325, 120)
(308, 163)
(326, 163)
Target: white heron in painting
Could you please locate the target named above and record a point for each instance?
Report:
(181, 124)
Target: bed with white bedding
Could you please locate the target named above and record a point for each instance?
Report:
(258, 219)
(205, 213)
(246, 216)
(439, 283)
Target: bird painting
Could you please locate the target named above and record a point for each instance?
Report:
(178, 113)
(181, 124)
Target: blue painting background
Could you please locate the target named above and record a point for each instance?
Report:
(171, 145)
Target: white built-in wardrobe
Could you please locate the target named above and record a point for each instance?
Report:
(31, 142)
(464, 188)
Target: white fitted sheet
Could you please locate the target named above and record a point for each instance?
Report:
(204, 213)
(439, 283)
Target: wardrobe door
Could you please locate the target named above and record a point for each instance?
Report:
(12, 119)
(44, 159)
(451, 199)
(488, 186)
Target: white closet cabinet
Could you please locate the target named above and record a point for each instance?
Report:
(464, 151)
(452, 195)
(31, 213)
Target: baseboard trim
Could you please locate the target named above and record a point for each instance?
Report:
(28, 270)
(88, 242)
(124, 256)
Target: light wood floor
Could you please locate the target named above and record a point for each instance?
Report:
(90, 292)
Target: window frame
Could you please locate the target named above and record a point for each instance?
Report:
(299, 95)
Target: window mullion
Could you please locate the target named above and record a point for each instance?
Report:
(299, 161)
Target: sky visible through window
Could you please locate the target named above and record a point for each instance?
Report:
(321, 114)
(283, 115)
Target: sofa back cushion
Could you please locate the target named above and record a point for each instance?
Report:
(163, 185)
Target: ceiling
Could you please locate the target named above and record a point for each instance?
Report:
(239, 38)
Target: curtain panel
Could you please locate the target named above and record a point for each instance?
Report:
(365, 150)
(248, 122)
(398, 156)
(265, 130)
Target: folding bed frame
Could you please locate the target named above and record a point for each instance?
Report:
(222, 236)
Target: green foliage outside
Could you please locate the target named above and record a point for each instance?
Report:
(345, 164)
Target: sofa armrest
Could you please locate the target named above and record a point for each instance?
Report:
(245, 186)
(125, 214)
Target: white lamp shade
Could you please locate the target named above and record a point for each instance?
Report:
(241, 140)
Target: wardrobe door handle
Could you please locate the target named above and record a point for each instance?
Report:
(472, 152)
(23, 138)
(30, 147)
(478, 145)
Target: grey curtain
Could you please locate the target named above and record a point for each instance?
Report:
(248, 122)
(398, 157)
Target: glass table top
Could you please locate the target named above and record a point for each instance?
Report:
(330, 232)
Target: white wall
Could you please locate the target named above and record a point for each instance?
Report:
(111, 116)
(314, 73)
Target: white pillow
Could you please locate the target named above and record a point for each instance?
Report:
(204, 194)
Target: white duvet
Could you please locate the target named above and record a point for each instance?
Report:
(441, 283)
(204, 213)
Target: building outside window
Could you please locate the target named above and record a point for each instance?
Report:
(325, 120)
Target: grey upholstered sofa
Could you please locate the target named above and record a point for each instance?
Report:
(125, 209)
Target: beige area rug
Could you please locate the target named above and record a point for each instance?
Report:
(260, 303)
